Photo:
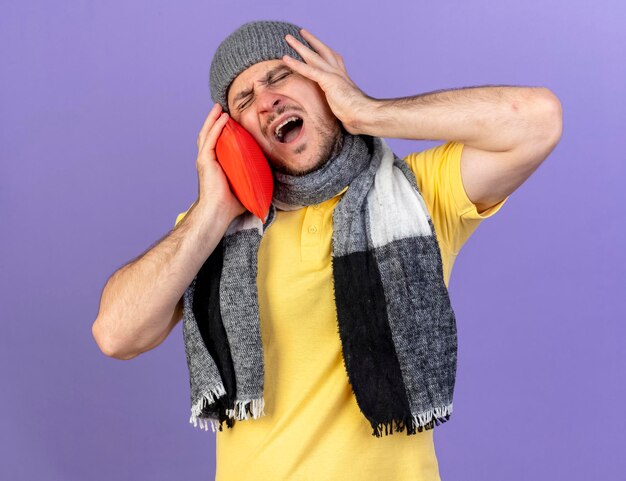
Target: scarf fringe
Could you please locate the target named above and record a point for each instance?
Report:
(424, 418)
(196, 410)
(204, 423)
(416, 422)
(256, 407)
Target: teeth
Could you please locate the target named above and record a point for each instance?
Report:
(282, 124)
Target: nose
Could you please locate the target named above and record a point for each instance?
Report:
(269, 105)
(269, 101)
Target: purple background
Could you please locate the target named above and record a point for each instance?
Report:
(100, 106)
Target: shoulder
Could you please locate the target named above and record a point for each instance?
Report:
(438, 174)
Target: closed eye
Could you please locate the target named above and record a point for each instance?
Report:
(277, 79)
(269, 82)
(243, 105)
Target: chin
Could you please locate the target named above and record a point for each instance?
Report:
(328, 148)
(300, 169)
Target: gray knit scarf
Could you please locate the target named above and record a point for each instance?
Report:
(395, 320)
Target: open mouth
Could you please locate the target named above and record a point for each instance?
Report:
(290, 130)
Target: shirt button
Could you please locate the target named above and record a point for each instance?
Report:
(313, 229)
(316, 207)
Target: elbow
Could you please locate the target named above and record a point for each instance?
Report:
(552, 114)
(107, 345)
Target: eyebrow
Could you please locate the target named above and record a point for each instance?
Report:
(265, 80)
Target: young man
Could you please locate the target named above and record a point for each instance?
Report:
(351, 332)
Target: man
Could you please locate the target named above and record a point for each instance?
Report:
(294, 96)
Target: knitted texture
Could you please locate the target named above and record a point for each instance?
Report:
(395, 321)
(251, 43)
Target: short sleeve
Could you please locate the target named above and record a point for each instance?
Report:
(181, 216)
(438, 174)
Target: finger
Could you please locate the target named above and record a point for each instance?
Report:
(340, 63)
(214, 133)
(214, 113)
(307, 70)
(310, 57)
(324, 50)
(208, 122)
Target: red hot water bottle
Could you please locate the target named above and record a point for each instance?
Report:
(246, 168)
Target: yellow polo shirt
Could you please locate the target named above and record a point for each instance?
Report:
(313, 428)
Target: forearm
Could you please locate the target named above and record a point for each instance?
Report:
(139, 299)
(491, 118)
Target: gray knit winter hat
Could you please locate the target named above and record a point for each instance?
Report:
(251, 43)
